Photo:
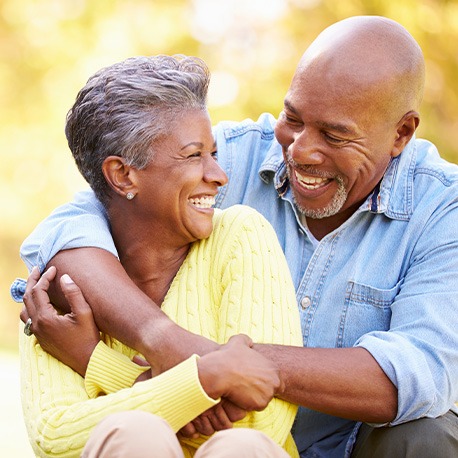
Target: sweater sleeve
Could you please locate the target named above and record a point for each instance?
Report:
(109, 371)
(59, 415)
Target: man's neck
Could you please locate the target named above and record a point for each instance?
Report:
(324, 226)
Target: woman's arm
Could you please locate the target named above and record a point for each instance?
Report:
(59, 415)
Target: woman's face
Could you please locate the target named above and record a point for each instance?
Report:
(176, 191)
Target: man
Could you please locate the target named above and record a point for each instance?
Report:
(367, 217)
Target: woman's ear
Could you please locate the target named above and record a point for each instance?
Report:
(119, 177)
(404, 132)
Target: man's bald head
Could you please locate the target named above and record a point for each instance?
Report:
(369, 53)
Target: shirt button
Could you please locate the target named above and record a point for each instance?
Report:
(305, 302)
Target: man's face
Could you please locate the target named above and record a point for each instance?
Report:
(336, 142)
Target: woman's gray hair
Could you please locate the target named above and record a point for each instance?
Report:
(127, 106)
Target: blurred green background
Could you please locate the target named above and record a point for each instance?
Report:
(48, 49)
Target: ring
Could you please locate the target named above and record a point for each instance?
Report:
(28, 325)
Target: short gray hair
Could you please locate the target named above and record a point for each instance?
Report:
(127, 106)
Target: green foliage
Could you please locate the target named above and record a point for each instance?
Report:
(48, 49)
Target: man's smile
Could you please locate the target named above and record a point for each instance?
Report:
(310, 182)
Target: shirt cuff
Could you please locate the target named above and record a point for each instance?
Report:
(17, 289)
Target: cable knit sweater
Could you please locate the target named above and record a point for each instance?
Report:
(236, 281)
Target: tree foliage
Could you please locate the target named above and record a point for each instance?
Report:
(48, 49)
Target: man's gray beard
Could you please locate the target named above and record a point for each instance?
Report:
(334, 206)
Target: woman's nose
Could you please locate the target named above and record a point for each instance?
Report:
(214, 173)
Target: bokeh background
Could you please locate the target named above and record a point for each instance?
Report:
(48, 49)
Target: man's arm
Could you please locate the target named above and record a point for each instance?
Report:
(345, 382)
(123, 311)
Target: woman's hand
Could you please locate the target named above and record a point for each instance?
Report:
(217, 418)
(71, 338)
(145, 375)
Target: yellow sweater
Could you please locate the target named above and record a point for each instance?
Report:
(236, 281)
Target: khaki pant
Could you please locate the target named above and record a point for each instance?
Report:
(137, 434)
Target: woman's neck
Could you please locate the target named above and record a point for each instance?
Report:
(150, 261)
(152, 270)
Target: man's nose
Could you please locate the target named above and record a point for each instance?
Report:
(305, 149)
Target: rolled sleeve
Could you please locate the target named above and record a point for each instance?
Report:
(422, 370)
(81, 223)
(419, 352)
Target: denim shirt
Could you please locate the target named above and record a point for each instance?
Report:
(385, 280)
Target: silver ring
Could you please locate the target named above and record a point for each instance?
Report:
(27, 331)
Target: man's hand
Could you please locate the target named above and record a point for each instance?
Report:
(239, 374)
(244, 379)
(72, 337)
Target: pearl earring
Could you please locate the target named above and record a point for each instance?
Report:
(130, 195)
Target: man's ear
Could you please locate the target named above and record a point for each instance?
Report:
(405, 129)
(118, 175)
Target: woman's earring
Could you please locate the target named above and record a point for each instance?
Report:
(130, 195)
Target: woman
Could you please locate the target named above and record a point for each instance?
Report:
(141, 136)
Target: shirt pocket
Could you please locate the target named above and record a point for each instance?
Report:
(366, 309)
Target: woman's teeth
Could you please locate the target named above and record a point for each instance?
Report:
(202, 202)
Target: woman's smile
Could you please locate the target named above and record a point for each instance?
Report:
(202, 202)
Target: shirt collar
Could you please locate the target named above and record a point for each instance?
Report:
(394, 194)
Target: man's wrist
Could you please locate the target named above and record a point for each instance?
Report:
(165, 344)
(268, 351)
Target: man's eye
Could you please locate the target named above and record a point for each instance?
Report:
(215, 155)
(334, 140)
(290, 119)
(195, 154)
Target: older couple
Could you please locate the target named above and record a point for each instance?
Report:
(366, 215)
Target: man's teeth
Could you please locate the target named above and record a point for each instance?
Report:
(202, 202)
(309, 182)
